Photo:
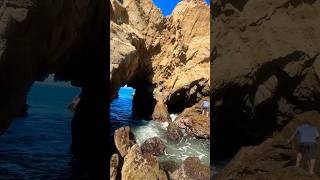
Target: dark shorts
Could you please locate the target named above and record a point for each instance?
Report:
(308, 149)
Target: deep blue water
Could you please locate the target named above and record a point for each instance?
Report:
(120, 109)
(37, 147)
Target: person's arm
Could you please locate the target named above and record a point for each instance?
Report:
(72, 107)
(317, 133)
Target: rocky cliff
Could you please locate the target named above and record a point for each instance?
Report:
(38, 38)
(265, 68)
(164, 58)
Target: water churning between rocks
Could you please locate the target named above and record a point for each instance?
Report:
(121, 115)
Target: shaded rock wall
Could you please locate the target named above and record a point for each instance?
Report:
(274, 158)
(41, 37)
(264, 68)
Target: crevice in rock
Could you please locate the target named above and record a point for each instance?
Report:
(253, 124)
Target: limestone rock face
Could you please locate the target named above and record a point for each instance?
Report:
(191, 168)
(264, 69)
(123, 140)
(170, 54)
(154, 146)
(181, 68)
(195, 123)
(160, 112)
(141, 166)
(42, 37)
(274, 158)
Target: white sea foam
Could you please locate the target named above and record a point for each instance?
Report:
(164, 125)
(179, 151)
(173, 116)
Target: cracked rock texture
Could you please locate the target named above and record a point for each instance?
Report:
(265, 61)
(165, 57)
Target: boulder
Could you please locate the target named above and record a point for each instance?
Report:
(169, 166)
(191, 168)
(154, 146)
(138, 165)
(194, 122)
(160, 112)
(173, 132)
(123, 140)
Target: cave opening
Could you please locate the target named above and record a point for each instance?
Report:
(121, 111)
(38, 142)
(236, 125)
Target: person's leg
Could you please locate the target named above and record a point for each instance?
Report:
(202, 111)
(312, 157)
(311, 166)
(299, 157)
(207, 113)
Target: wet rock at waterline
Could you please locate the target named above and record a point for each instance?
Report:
(154, 146)
(114, 166)
(123, 140)
(160, 112)
(274, 158)
(191, 168)
(169, 166)
(174, 133)
(195, 123)
(138, 165)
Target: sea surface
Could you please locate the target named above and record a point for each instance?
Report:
(37, 146)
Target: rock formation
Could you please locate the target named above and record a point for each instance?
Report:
(160, 112)
(194, 122)
(165, 58)
(274, 158)
(67, 39)
(264, 70)
(173, 132)
(123, 140)
(138, 162)
(141, 166)
(114, 166)
(154, 146)
(43, 37)
(191, 168)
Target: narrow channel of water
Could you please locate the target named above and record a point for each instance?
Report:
(121, 115)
